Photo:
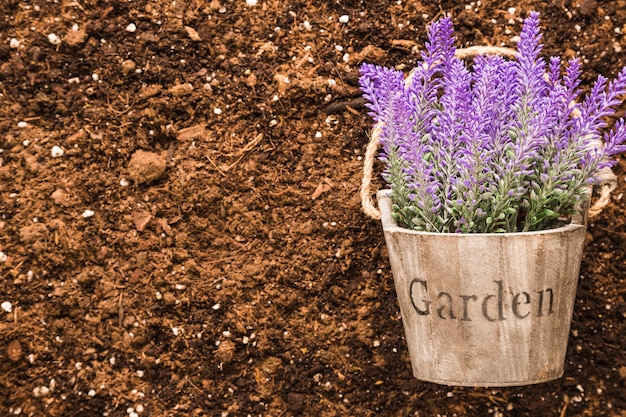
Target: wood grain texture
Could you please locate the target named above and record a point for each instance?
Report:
(485, 309)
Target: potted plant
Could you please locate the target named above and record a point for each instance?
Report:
(489, 172)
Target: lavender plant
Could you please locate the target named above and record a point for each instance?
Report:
(492, 149)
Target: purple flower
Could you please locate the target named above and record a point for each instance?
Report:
(492, 149)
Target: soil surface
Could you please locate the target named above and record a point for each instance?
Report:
(180, 227)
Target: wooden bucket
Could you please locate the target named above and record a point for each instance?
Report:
(485, 309)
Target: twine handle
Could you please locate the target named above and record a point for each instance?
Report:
(607, 179)
(367, 202)
(607, 183)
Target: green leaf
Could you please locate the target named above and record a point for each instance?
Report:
(549, 214)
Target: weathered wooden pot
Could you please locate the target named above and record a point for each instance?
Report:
(485, 309)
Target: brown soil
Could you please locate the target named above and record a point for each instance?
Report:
(198, 249)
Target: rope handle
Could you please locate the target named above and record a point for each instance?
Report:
(607, 183)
